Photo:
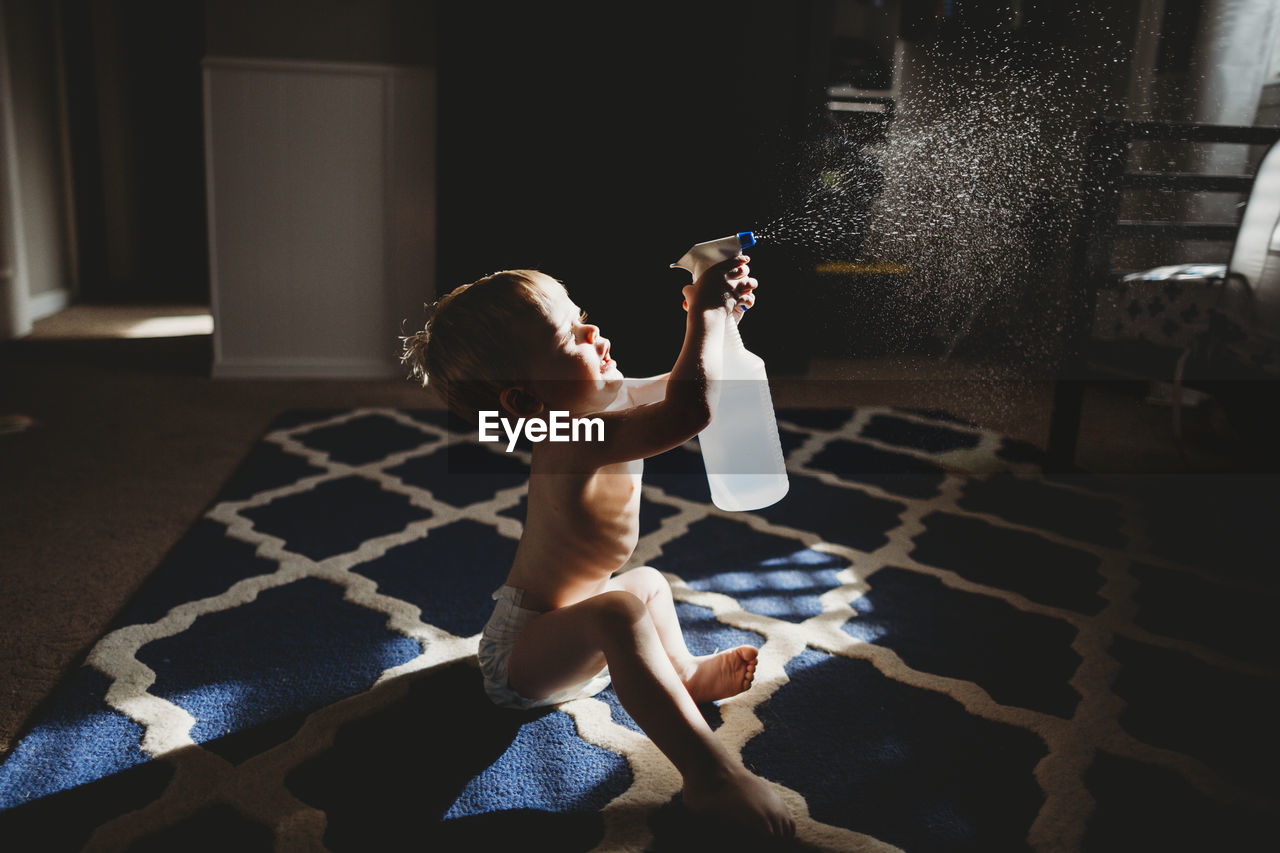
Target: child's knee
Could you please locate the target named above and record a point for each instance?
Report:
(646, 582)
(618, 612)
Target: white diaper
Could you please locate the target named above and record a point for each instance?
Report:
(500, 634)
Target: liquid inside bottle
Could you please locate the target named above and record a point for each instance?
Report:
(740, 446)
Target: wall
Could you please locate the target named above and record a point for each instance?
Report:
(1230, 65)
(398, 32)
(1231, 59)
(133, 88)
(1202, 62)
(38, 242)
(598, 145)
(1269, 103)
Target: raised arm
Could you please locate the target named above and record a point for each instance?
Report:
(683, 408)
(651, 389)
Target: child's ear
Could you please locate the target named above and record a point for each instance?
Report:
(519, 402)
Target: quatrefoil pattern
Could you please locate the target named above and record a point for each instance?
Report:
(956, 653)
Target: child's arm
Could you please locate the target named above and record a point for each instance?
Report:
(684, 409)
(651, 389)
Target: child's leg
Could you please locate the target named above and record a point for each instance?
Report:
(569, 645)
(707, 678)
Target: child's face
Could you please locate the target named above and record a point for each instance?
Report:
(571, 366)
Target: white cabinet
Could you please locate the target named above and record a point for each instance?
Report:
(321, 195)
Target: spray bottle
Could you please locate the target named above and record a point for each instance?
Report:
(740, 446)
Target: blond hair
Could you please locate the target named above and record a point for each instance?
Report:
(477, 339)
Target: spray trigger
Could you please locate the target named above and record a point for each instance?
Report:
(703, 256)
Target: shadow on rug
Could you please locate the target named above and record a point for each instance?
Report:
(956, 653)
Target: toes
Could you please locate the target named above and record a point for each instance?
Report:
(748, 654)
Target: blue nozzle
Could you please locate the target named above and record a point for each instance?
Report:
(746, 239)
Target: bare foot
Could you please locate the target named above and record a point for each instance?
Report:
(722, 675)
(744, 800)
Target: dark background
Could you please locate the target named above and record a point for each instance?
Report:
(598, 146)
(595, 142)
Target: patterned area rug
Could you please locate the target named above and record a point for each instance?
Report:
(955, 654)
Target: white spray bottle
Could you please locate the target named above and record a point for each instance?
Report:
(740, 446)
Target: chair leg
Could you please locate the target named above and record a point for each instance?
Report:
(1064, 426)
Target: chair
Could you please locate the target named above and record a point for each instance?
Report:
(1198, 325)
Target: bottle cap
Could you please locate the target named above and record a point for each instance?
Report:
(746, 239)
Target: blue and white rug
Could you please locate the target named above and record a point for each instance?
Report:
(955, 654)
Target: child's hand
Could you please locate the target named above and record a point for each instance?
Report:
(734, 291)
(743, 287)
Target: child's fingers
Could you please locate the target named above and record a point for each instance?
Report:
(738, 282)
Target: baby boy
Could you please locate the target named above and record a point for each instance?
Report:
(565, 624)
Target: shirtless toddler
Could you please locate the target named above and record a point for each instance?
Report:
(565, 624)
